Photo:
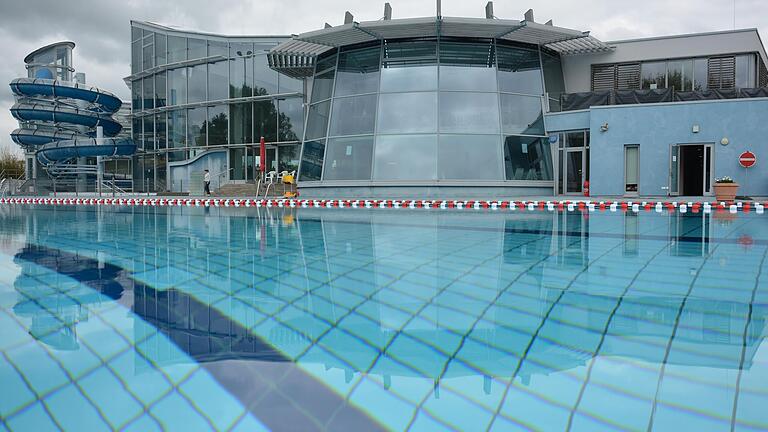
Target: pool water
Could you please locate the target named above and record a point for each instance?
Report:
(157, 318)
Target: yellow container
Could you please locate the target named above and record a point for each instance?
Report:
(288, 179)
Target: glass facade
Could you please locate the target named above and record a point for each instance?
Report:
(431, 111)
(193, 93)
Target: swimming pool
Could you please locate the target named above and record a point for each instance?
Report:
(187, 318)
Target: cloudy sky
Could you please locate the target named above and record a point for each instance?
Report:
(101, 28)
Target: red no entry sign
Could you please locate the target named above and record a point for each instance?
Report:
(747, 159)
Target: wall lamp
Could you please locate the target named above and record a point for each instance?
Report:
(604, 127)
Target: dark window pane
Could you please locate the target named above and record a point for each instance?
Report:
(700, 74)
(160, 90)
(197, 48)
(288, 158)
(553, 75)
(149, 92)
(415, 78)
(241, 70)
(521, 115)
(291, 119)
(575, 139)
(527, 158)
(177, 128)
(161, 141)
(265, 78)
(148, 137)
(407, 113)
(136, 131)
(322, 85)
(177, 86)
(469, 157)
(353, 115)
(136, 95)
(519, 70)
(160, 50)
(409, 53)
(469, 112)
(265, 120)
(197, 118)
(241, 128)
(312, 160)
(217, 125)
(197, 77)
(177, 49)
(177, 156)
(317, 123)
(358, 71)
(405, 157)
(653, 75)
(349, 158)
(218, 48)
(680, 75)
(218, 80)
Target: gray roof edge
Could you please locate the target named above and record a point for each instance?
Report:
(183, 31)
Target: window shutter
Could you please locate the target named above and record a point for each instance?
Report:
(762, 73)
(603, 77)
(721, 73)
(628, 76)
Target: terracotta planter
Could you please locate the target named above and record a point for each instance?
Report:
(726, 191)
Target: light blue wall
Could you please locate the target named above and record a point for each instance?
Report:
(655, 127)
(568, 120)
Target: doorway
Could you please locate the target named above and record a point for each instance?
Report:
(691, 170)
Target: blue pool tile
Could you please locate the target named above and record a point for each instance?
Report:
(110, 397)
(73, 411)
(350, 349)
(221, 409)
(249, 424)
(176, 413)
(140, 377)
(145, 423)
(33, 418)
(418, 355)
(38, 368)
(392, 411)
(164, 277)
(524, 405)
(15, 392)
(457, 410)
(424, 423)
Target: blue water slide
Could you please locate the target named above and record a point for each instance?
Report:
(38, 137)
(65, 114)
(84, 147)
(37, 87)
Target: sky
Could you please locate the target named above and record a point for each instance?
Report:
(101, 28)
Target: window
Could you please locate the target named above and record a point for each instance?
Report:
(317, 122)
(217, 125)
(177, 86)
(700, 74)
(148, 137)
(521, 115)
(322, 84)
(653, 75)
(160, 90)
(312, 160)
(358, 71)
(527, 158)
(469, 112)
(218, 48)
(240, 71)
(631, 168)
(136, 95)
(149, 92)
(160, 49)
(353, 115)
(148, 53)
(177, 128)
(265, 78)
(197, 78)
(467, 66)
(197, 48)
(553, 79)
(745, 71)
(177, 49)
(407, 113)
(218, 80)
(519, 70)
(196, 133)
(241, 128)
(265, 120)
(288, 157)
(290, 119)
(161, 141)
(575, 139)
(405, 157)
(349, 158)
(680, 75)
(469, 157)
(136, 62)
(409, 66)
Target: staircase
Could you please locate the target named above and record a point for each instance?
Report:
(247, 190)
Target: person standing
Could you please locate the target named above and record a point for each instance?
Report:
(207, 183)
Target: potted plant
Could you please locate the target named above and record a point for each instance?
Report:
(725, 188)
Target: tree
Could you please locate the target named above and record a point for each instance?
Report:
(11, 164)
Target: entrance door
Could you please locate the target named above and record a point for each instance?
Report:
(271, 159)
(574, 171)
(691, 170)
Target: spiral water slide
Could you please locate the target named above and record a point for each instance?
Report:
(59, 120)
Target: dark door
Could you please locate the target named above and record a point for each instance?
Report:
(692, 169)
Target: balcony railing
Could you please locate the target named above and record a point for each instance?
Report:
(579, 101)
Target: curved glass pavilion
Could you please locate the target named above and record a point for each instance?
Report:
(204, 101)
(439, 112)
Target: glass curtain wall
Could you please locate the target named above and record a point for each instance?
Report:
(423, 110)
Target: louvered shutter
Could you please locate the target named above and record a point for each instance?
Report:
(721, 73)
(603, 77)
(628, 76)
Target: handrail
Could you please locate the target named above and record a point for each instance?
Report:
(218, 176)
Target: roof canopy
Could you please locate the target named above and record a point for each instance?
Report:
(296, 57)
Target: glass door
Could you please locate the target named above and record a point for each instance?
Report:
(708, 151)
(271, 159)
(237, 164)
(574, 171)
(674, 170)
